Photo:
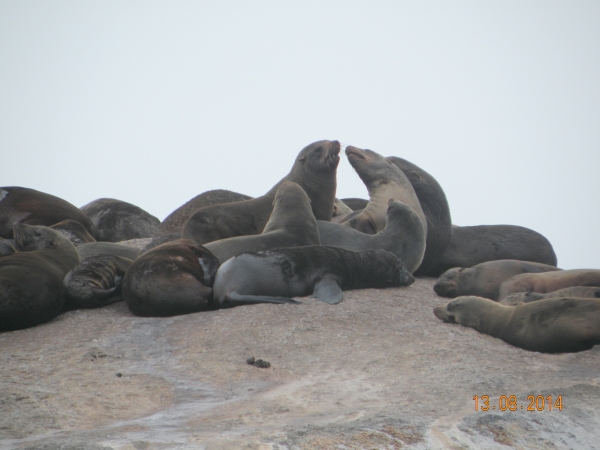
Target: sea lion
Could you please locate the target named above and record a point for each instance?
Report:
(31, 207)
(476, 244)
(484, 280)
(31, 280)
(95, 282)
(107, 248)
(7, 246)
(314, 170)
(553, 325)
(355, 204)
(550, 281)
(277, 275)
(571, 292)
(403, 235)
(291, 224)
(116, 220)
(171, 279)
(384, 181)
(74, 231)
(435, 207)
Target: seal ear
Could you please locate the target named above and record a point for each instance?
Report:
(327, 290)
(209, 263)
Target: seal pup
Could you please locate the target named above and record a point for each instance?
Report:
(403, 235)
(277, 275)
(31, 207)
(571, 292)
(484, 280)
(553, 325)
(476, 244)
(31, 280)
(107, 248)
(116, 220)
(384, 181)
(171, 279)
(435, 207)
(95, 282)
(548, 282)
(314, 170)
(292, 224)
(74, 231)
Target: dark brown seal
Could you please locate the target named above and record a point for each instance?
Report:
(314, 170)
(435, 207)
(277, 275)
(74, 231)
(570, 292)
(116, 220)
(171, 279)
(473, 245)
(31, 280)
(31, 207)
(548, 282)
(553, 325)
(484, 280)
(292, 224)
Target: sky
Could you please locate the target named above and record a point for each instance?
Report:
(156, 102)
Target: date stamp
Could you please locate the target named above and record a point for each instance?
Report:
(511, 403)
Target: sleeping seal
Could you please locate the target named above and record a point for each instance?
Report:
(277, 275)
(552, 325)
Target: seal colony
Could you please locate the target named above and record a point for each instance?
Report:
(222, 249)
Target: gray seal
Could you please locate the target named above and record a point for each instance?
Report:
(171, 279)
(116, 220)
(31, 280)
(484, 280)
(550, 281)
(277, 275)
(314, 170)
(95, 282)
(553, 325)
(403, 235)
(571, 292)
(292, 224)
(476, 244)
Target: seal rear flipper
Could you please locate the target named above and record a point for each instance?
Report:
(235, 299)
(327, 290)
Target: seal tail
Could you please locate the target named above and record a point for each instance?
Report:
(235, 299)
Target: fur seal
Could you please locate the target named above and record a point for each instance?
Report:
(95, 282)
(476, 244)
(314, 170)
(403, 235)
(553, 325)
(31, 280)
(107, 248)
(384, 181)
(435, 207)
(550, 281)
(31, 207)
(277, 275)
(292, 224)
(116, 220)
(74, 231)
(484, 280)
(571, 292)
(171, 279)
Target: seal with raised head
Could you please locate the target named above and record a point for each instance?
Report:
(571, 292)
(476, 244)
(550, 281)
(31, 207)
(435, 207)
(74, 231)
(553, 325)
(484, 280)
(403, 235)
(116, 220)
(31, 280)
(171, 279)
(314, 170)
(95, 282)
(277, 275)
(384, 181)
(292, 224)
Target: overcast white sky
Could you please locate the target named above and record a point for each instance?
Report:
(156, 102)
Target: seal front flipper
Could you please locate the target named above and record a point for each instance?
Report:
(327, 290)
(235, 299)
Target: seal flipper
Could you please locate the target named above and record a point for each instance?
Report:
(235, 299)
(327, 290)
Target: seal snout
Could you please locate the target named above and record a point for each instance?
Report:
(441, 312)
(354, 152)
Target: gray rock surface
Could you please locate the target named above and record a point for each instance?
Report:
(376, 371)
